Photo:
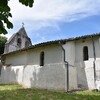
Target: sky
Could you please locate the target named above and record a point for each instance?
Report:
(51, 20)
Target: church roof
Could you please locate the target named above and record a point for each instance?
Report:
(62, 41)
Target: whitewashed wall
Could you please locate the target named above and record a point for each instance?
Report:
(16, 59)
(25, 68)
(70, 58)
(12, 74)
(47, 77)
(85, 69)
(98, 64)
(53, 74)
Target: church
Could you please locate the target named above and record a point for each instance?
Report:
(65, 64)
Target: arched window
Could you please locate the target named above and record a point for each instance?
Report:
(85, 53)
(42, 58)
(19, 42)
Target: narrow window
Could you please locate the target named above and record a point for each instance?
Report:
(26, 44)
(85, 53)
(42, 59)
(19, 42)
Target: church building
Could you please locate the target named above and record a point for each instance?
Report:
(65, 64)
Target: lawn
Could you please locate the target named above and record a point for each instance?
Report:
(16, 92)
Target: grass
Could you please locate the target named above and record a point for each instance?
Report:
(16, 92)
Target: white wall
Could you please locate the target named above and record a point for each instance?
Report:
(26, 69)
(16, 59)
(12, 74)
(81, 73)
(47, 77)
(70, 52)
(70, 58)
(85, 69)
(52, 54)
(98, 74)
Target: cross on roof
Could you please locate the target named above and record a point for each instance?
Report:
(23, 24)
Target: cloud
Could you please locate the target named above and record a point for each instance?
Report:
(48, 13)
(54, 9)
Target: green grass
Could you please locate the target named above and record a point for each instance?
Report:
(16, 92)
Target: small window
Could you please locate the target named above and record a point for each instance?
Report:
(26, 44)
(42, 59)
(19, 42)
(85, 53)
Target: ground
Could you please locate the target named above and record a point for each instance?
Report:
(17, 92)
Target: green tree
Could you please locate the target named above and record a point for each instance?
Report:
(3, 40)
(5, 14)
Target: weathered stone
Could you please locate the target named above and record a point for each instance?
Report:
(18, 41)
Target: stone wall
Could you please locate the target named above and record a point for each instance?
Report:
(18, 41)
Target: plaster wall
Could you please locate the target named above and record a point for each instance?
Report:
(72, 78)
(13, 74)
(50, 76)
(25, 68)
(98, 74)
(85, 69)
(16, 59)
(70, 58)
(52, 54)
(47, 77)
(97, 62)
(81, 73)
(70, 52)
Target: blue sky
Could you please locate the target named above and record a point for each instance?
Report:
(56, 19)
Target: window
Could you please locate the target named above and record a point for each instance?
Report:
(42, 59)
(26, 44)
(19, 42)
(85, 53)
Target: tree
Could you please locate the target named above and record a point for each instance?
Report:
(3, 40)
(5, 14)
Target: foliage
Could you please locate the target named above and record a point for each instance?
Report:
(5, 14)
(3, 40)
(16, 92)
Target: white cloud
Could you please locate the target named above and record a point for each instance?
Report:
(49, 12)
(54, 9)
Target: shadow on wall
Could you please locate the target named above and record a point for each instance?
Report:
(48, 77)
(33, 79)
(38, 79)
(81, 76)
(17, 71)
(9, 75)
